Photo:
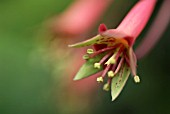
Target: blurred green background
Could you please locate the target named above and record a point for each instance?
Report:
(27, 87)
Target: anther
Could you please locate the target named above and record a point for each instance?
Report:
(100, 79)
(90, 51)
(85, 57)
(110, 74)
(97, 65)
(111, 60)
(136, 79)
(106, 87)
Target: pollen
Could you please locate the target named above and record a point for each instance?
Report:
(97, 65)
(100, 79)
(136, 79)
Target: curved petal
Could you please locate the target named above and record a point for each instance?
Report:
(88, 42)
(119, 81)
(88, 68)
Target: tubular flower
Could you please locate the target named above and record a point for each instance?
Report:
(112, 52)
(84, 12)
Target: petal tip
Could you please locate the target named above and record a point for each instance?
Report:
(75, 78)
(70, 45)
(102, 28)
(114, 98)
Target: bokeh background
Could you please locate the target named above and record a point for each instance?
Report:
(29, 86)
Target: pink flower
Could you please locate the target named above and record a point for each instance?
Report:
(80, 16)
(74, 22)
(113, 53)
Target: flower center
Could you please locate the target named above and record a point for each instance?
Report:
(112, 61)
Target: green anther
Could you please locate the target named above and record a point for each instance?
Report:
(106, 87)
(85, 57)
(100, 79)
(136, 79)
(97, 65)
(110, 74)
(90, 51)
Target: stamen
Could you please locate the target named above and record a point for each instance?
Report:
(136, 79)
(97, 65)
(126, 58)
(114, 67)
(110, 74)
(100, 79)
(106, 86)
(105, 49)
(119, 53)
(90, 51)
(106, 70)
(105, 57)
(86, 57)
(115, 56)
(111, 60)
(119, 65)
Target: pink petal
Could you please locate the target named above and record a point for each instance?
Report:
(137, 18)
(102, 28)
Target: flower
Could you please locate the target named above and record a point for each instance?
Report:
(79, 17)
(76, 96)
(112, 52)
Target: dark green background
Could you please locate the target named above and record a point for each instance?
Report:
(26, 87)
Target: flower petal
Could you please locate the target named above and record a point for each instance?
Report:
(119, 80)
(88, 68)
(114, 33)
(117, 36)
(109, 37)
(88, 42)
